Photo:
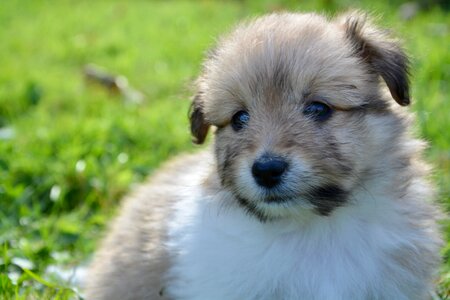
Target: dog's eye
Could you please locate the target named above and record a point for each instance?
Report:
(240, 120)
(318, 111)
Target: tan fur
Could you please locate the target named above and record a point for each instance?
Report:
(272, 68)
(132, 259)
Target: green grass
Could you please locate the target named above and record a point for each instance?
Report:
(69, 151)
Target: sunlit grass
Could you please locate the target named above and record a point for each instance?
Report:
(70, 150)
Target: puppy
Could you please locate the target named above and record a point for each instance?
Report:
(316, 188)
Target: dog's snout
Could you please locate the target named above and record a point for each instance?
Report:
(268, 170)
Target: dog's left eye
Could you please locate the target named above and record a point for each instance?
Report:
(318, 111)
(240, 120)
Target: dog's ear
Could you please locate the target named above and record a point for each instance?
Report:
(382, 54)
(199, 126)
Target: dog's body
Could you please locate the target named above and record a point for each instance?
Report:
(316, 189)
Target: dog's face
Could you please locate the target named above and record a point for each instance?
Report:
(299, 110)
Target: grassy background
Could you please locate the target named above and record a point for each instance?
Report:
(69, 151)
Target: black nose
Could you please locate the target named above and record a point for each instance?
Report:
(268, 170)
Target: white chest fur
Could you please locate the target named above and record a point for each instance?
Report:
(222, 253)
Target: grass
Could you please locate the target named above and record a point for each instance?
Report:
(69, 150)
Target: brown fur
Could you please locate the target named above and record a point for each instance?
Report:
(273, 68)
(133, 254)
(352, 56)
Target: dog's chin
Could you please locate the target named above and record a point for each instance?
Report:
(272, 208)
(266, 206)
(274, 200)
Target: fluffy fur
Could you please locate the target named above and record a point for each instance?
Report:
(352, 217)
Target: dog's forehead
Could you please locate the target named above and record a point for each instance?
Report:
(287, 56)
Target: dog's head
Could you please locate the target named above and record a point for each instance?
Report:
(301, 109)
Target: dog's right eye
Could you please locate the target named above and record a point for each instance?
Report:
(318, 111)
(240, 120)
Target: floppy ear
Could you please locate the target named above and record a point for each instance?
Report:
(382, 53)
(199, 126)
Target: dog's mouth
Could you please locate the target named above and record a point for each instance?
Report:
(255, 210)
(267, 208)
(279, 199)
(323, 200)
